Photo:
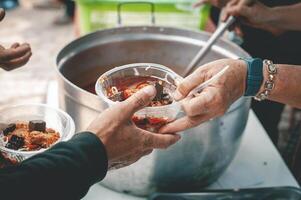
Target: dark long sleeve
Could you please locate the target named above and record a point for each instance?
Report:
(66, 171)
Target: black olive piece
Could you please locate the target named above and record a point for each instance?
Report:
(15, 142)
(10, 128)
(37, 125)
(159, 88)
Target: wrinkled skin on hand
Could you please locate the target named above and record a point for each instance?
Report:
(124, 142)
(215, 99)
(15, 56)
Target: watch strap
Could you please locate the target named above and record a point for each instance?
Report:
(254, 76)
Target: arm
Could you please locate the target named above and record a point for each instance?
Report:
(286, 17)
(214, 100)
(273, 19)
(15, 56)
(67, 170)
(287, 85)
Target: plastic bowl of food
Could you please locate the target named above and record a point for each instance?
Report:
(29, 129)
(121, 82)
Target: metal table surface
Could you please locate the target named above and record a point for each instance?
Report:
(257, 163)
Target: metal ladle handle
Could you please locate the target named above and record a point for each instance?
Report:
(152, 10)
(206, 48)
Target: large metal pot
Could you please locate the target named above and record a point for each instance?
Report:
(203, 153)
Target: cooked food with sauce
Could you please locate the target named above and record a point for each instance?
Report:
(28, 136)
(127, 86)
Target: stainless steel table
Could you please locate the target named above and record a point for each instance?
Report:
(257, 163)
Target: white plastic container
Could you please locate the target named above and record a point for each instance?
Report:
(167, 113)
(54, 118)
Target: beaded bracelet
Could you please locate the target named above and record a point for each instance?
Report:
(268, 84)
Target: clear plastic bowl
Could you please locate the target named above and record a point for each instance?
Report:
(54, 118)
(108, 80)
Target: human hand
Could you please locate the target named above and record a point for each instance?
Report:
(251, 13)
(215, 99)
(15, 56)
(215, 3)
(125, 143)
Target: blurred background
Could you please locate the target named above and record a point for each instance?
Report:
(28, 21)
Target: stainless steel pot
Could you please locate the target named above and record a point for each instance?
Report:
(203, 153)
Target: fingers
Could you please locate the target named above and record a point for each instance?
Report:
(159, 141)
(199, 3)
(137, 101)
(237, 8)
(2, 14)
(190, 82)
(15, 45)
(18, 62)
(183, 124)
(211, 103)
(200, 104)
(225, 13)
(14, 52)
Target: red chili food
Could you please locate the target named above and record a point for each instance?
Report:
(126, 87)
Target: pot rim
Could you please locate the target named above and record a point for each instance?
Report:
(67, 52)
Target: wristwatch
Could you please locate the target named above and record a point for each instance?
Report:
(254, 76)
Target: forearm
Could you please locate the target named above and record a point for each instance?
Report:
(286, 17)
(287, 88)
(66, 171)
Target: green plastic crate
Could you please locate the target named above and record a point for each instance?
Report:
(100, 14)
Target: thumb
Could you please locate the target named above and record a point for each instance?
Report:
(138, 100)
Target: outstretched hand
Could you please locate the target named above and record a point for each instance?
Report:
(15, 56)
(126, 143)
(214, 100)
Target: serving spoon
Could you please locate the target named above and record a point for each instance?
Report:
(207, 47)
(212, 40)
(117, 96)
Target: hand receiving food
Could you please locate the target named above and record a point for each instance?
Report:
(15, 56)
(215, 99)
(125, 143)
